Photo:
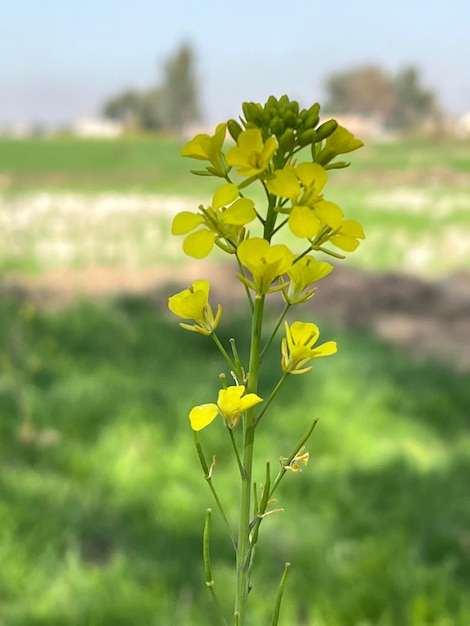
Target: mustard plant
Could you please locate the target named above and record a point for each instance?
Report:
(287, 152)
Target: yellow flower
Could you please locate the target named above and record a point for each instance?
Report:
(193, 304)
(265, 262)
(348, 235)
(334, 228)
(302, 274)
(230, 404)
(251, 155)
(341, 141)
(297, 347)
(222, 225)
(209, 148)
(284, 183)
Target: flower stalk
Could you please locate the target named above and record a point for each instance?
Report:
(267, 139)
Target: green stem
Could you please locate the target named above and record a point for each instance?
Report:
(207, 564)
(235, 450)
(280, 593)
(301, 443)
(244, 548)
(271, 216)
(208, 477)
(224, 352)
(273, 334)
(271, 397)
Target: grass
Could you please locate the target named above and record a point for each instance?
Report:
(145, 164)
(102, 501)
(81, 203)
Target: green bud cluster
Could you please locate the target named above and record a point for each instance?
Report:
(293, 128)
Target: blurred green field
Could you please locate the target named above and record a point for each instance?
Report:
(102, 501)
(153, 164)
(84, 203)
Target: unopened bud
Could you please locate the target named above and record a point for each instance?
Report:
(306, 137)
(325, 130)
(311, 120)
(325, 156)
(289, 119)
(287, 141)
(277, 126)
(234, 129)
(252, 112)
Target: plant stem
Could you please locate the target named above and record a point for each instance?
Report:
(207, 564)
(271, 397)
(223, 351)
(280, 593)
(208, 477)
(276, 328)
(243, 548)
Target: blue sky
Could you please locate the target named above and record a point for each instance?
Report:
(59, 59)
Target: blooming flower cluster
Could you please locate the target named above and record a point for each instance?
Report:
(283, 154)
(269, 142)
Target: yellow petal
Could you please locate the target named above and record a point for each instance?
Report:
(198, 148)
(240, 213)
(199, 244)
(342, 141)
(330, 213)
(348, 244)
(201, 416)
(201, 285)
(325, 349)
(302, 222)
(284, 184)
(188, 304)
(250, 400)
(304, 333)
(224, 195)
(185, 222)
(251, 140)
(312, 175)
(229, 399)
(352, 229)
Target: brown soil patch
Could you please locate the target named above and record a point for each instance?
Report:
(425, 318)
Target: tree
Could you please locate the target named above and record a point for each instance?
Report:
(123, 108)
(413, 104)
(180, 90)
(170, 106)
(364, 91)
(399, 102)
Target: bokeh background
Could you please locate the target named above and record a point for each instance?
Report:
(102, 500)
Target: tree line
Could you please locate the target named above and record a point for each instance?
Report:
(398, 102)
(170, 106)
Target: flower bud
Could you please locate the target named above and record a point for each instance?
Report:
(306, 137)
(287, 141)
(252, 112)
(311, 120)
(277, 126)
(289, 119)
(325, 156)
(325, 130)
(234, 129)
